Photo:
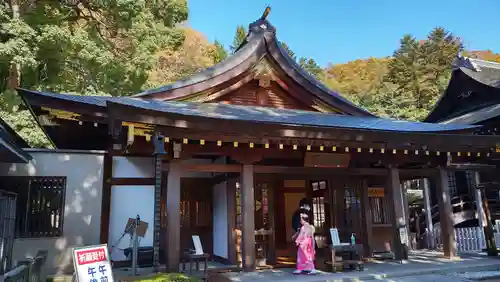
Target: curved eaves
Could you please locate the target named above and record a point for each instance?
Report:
(486, 76)
(252, 47)
(475, 117)
(302, 77)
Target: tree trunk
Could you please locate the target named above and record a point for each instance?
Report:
(14, 79)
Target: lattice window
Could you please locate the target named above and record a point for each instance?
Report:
(379, 207)
(239, 220)
(319, 212)
(351, 207)
(40, 205)
(452, 183)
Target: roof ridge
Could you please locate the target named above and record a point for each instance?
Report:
(481, 62)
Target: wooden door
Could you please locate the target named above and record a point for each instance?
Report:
(264, 222)
(348, 209)
(320, 197)
(196, 213)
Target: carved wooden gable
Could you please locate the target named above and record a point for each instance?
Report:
(267, 89)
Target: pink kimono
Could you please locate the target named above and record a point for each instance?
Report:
(305, 250)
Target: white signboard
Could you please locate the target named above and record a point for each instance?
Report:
(92, 264)
(197, 245)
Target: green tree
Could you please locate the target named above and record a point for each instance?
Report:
(439, 51)
(288, 50)
(220, 53)
(407, 72)
(311, 66)
(239, 38)
(84, 47)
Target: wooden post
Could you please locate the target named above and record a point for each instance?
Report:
(248, 216)
(173, 217)
(272, 226)
(106, 197)
(395, 194)
(428, 213)
(446, 215)
(367, 220)
(231, 220)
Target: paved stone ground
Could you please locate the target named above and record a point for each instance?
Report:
(422, 266)
(426, 278)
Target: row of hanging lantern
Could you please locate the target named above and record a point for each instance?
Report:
(146, 132)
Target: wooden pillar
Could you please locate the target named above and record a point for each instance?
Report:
(428, 212)
(157, 211)
(231, 220)
(248, 217)
(479, 200)
(406, 209)
(106, 197)
(367, 220)
(395, 195)
(446, 215)
(173, 216)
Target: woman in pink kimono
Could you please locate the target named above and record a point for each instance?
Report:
(305, 247)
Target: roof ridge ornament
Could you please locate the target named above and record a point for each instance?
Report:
(262, 24)
(266, 13)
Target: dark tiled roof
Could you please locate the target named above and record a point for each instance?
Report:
(11, 145)
(260, 114)
(478, 77)
(483, 71)
(261, 41)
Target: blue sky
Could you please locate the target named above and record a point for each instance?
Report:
(338, 31)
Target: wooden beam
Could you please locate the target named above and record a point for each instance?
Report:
(132, 181)
(317, 170)
(222, 168)
(238, 131)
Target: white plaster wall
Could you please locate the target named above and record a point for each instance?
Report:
(82, 210)
(128, 201)
(220, 232)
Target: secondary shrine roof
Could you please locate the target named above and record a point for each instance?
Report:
(472, 94)
(245, 113)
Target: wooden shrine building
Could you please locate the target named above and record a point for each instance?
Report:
(263, 133)
(473, 98)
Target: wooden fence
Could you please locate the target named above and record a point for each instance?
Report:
(28, 270)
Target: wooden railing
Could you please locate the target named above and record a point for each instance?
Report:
(28, 270)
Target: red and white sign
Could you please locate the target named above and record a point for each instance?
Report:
(92, 264)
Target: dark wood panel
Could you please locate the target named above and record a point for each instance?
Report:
(132, 181)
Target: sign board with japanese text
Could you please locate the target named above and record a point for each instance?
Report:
(375, 192)
(92, 264)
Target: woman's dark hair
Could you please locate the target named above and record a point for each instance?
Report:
(304, 203)
(304, 217)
